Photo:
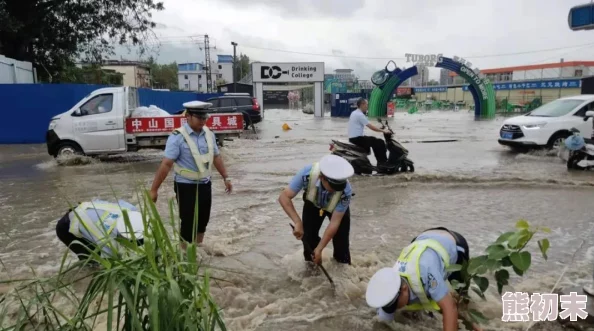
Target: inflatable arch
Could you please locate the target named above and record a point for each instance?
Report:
(387, 81)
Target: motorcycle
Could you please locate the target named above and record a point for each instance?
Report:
(581, 150)
(398, 161)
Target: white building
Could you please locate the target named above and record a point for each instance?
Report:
(192, 76)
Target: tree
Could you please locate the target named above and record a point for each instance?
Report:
(164, 75)
(221, 81)
(243, 67)
(432, 82)
(90, 74)
(53, 34)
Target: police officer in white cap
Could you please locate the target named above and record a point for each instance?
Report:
(327, 192)
(192, 152)
(419, 280)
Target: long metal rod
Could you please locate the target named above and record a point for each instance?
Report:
(307, 247)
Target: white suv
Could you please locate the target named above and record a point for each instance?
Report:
(548, 124)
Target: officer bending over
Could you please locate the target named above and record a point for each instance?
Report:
(419, 280)
(327, 194)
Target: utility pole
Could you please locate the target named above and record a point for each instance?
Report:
(234, 67)
(208, 68)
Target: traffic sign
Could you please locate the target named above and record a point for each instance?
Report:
(581, 17)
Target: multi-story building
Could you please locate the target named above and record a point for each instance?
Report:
(421, 78)
(135, 73)
(192, 76)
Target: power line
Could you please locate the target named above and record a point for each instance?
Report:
(401, 58)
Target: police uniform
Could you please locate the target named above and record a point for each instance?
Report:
(320, 203)
(96, 222)
(422, 265)
(193, 154)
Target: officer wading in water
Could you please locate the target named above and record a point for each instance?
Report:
(419, 280)
(327, 193)
(192, 151)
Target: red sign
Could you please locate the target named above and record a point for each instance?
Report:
(216, 122)
(391, 109)
(403, 91)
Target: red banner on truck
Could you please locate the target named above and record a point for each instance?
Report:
(216, 122)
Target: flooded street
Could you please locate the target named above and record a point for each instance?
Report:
(473, 186)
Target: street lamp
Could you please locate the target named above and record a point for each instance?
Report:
(234, 67)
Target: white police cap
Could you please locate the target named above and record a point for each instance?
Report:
(336, 168)
(135, 222)
(383, 287)
(197, 106)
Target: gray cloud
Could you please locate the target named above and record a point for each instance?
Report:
(293, 9)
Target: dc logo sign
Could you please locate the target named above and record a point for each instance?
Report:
(273, 72)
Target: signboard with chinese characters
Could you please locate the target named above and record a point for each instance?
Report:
(403, 91)
(216, 122)
(431, 89)
(287, 72)
(543, 84)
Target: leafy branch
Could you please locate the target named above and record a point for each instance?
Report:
(507, 252)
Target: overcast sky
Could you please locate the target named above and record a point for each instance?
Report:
(347, 33)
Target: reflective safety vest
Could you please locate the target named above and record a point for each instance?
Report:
(312, 190)
(408, 267)
(99, 228)
(203, 161)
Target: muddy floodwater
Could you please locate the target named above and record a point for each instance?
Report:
(473, 186)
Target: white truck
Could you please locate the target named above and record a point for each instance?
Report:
(102, 123)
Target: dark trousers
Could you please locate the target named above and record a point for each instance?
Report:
(378, 146)
(462, 256)
(186, 200)
(312, 222)
(81, 250)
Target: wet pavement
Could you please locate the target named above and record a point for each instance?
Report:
(473, 186)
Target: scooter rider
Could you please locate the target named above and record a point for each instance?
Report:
(327, 193)
(98, 223)
(357, 123)
(419, 280)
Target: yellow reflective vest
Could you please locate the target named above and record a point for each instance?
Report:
(312, 190)
(408, 267)
(203, 161)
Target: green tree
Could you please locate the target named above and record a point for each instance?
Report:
(221, 81)
(432, 82)
(52, 34)
(89, 74)
(243, 66)
(164, 75)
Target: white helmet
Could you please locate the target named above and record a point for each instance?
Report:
(136, 223)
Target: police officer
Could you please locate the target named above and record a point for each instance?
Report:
(192, 151)
(98, 223)
(327, 192)
(419, 280)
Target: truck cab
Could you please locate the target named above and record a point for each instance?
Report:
(94, 125)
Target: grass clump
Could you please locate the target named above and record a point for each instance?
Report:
(155, 286)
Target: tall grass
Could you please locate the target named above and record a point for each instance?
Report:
(156, 286)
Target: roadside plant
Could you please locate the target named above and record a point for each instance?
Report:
(154, 286)
(507, 254)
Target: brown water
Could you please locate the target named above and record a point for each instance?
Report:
(473, 186)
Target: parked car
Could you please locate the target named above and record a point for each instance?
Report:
(238, 102)
(548, 125)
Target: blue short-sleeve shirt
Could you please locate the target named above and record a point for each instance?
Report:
(177, 149)
(301, 180)
(357, 123)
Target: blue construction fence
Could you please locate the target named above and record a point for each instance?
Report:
(27, 109)
(342, 104)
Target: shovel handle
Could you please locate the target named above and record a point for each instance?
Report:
(309, 249)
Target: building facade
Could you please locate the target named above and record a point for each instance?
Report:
(136, 74)
(558, 70)
(192, 76)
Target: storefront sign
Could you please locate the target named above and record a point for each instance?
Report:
(543, 84)
(403, 91)
(283, 72)
(216, 122)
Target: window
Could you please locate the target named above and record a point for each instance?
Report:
(199, 76)
(578, 73)
(228, 102)
(220, 75)
(99, 104)
(215, 102)
(556, 108)
(187, 86)
(220, 66)
(582, 112)
(185, 76)
(243, 101)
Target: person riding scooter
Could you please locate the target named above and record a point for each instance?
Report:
(357, 123)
